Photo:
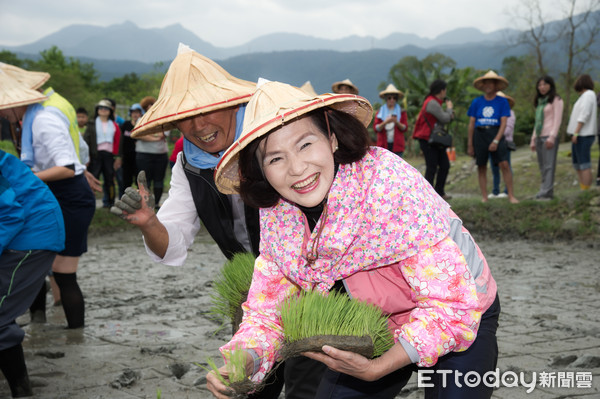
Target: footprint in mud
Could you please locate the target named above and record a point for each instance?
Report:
(179, 369)
(127, 378)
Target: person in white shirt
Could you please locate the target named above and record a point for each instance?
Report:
(583, 128)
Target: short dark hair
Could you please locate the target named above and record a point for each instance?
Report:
(551, 93)
(353, 143)
(81, 110)
(584, 82)
(437, 86)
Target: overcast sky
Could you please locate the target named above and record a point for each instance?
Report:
(226, 23)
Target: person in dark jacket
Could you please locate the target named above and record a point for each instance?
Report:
(127, 148)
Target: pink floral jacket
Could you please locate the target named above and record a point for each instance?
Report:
(381, 211)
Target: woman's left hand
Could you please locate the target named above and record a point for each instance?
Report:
(346, 362)
(359, 366)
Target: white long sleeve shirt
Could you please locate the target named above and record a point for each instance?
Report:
(584, 110)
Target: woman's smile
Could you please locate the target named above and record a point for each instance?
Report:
(307, 185)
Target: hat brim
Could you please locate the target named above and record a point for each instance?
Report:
(385, 93)
(14, 94)
(336, 87)
(31, 79)
(169, 121)
(501, 82)
(227, 173)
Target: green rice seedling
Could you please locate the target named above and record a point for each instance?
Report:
(237, 379)
(313, 320)
(230, 289)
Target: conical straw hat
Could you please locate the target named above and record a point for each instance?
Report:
(193, 85)
(31, 79)
(391, 89)
(273, 105)
(308, 88)
(13, 94)
(511, 101)
(501, 82)
(336, 86)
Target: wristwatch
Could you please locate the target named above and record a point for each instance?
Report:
(495, 141)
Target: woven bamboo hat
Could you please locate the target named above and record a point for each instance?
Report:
(31, 79)
(273, 105)
(511, 101)
(391, 89)
(193, 85)
(14, 94)
(501, 82)
(336, 86)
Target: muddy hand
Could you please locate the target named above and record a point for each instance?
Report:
(135, 206)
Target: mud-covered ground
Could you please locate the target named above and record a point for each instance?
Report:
(147, 326)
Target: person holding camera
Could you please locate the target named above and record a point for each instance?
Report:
(436, 158)
(391, 122)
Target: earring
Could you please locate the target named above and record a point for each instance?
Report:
(336, 148)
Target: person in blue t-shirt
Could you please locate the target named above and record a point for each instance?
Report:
(32, 231)
(488, 115)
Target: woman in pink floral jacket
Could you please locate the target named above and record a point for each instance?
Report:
(337, 214)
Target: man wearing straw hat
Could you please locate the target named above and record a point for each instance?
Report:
(207, 105)
(344, 87)
(488, 116)
(31, 233)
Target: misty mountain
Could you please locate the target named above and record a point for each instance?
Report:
(293, 58)
(127, 41)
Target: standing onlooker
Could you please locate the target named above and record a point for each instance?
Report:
(102, 136)
(544, 140)
(583, 129)
(436, 157)
(82, 119)
(344, 87)
(488, 115)
(391, 122)
(151, 155)
(509, 137)
(127, 148)
(48, 147)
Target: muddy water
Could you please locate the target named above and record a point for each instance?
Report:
(147, 328)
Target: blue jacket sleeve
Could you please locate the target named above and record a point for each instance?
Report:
(12, 217)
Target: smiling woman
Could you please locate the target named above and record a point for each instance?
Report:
(340, 216)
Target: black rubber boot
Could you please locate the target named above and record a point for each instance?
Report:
(72, 298)
(12, 364)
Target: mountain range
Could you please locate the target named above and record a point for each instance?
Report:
(124, 48)
(126, 41)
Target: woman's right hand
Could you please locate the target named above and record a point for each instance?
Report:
(136, 206)
(216, 386)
